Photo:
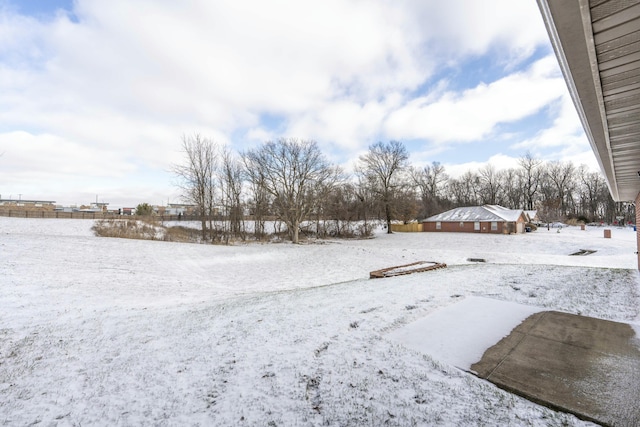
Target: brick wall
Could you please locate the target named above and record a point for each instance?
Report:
(464, 227)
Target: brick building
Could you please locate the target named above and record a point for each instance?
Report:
(478, 219)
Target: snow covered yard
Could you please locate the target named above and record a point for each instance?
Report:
(128, 332)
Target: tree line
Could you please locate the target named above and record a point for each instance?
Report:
(292, 181)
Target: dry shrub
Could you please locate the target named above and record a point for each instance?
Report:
(149, 229)
(127, 229)
(179, 233)
(146, 229)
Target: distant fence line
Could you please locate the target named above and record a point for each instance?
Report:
(14, 213)
(89, 215)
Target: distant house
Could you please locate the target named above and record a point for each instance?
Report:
(478, 219)
(532, 216)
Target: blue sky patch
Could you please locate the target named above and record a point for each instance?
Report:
(41, 9)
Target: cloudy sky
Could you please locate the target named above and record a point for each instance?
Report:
(95, 96)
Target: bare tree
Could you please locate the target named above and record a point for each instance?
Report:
(382, 167)
(259, 204)
(562, 176)
(197, 178)
(464, 190)
(293, 171)
(429, 181)
(530, 172)
(512, 188)
(366, 199)
(490, 184)
(406, 204)
(343, 211)
(323, 193)
(595, 197)
(231, 173)
(558, 190)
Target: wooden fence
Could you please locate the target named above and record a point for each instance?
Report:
(413, 227)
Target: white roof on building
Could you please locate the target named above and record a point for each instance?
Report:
(477, 213)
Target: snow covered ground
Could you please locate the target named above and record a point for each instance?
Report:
(462, 332)
(98, 331)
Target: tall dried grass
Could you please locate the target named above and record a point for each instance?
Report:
(147, 229)
(128, 229)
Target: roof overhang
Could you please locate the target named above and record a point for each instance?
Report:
(597, 43)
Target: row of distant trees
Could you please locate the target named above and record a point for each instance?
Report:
(292, 181)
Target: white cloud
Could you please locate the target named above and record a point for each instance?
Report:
(49, 154)
(349, 125)
(499, 161)
(475, 113)
(464, 27)
(124, 82)
(564, 140)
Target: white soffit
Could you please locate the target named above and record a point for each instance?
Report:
(597, 43)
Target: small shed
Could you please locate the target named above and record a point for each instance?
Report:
(478, 219)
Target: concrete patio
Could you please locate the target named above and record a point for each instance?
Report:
(589, 367)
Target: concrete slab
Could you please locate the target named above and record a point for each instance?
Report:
(589, 367)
